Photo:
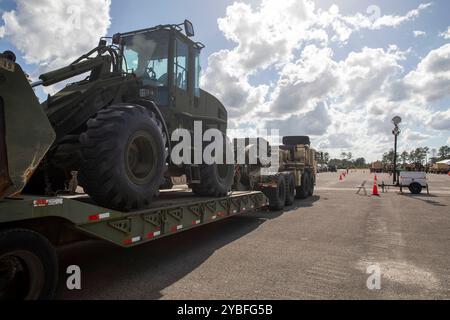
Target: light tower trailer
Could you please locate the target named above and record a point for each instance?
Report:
(416, 182)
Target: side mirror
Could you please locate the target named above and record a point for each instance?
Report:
(189, 28)
(116, 39)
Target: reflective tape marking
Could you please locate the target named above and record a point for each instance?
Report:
(47, 202)
(101, 216)
(154, 234)
(177, 228)
(136, 239)
(132, 240)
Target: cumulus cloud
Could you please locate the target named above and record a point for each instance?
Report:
(440, 120)
(369, 73)
(337, 141)
(53, 33)
(431, 79)
(346, 103)
(231, 87)
(305, 81)
(446, 34)
(312, 123)
(418, 33)
(345, 26)
(395, 21)
(416, 136)
(267, 35)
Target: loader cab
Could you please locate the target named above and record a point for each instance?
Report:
(167, 62)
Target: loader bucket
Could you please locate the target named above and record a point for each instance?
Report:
(25, 131)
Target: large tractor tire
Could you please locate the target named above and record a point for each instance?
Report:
(124, 157)
(277, 196)
(215, 180)
(290, 190)
(28, 266)
(304, 189)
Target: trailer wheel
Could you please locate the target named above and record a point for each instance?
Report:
(28, 266)
(303, 190)
(415, 188)
(290, 190)
(124, 157)
(215, 180)
(277, 196)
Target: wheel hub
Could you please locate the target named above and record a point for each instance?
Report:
(139, 158)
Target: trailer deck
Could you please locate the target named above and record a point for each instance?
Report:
(173, 212)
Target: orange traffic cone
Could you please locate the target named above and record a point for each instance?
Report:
(376, 178)
(375, 189)
(340, 178)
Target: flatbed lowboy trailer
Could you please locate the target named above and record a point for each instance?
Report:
(49, 222)
(175, 211)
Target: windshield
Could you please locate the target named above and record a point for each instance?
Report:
(146, 55)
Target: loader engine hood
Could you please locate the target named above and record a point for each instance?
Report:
(25, 132)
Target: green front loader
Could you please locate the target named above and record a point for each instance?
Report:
(110, 130)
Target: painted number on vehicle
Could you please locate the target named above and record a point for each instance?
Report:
(7, 64)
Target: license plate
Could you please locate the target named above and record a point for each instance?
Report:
(7, 64)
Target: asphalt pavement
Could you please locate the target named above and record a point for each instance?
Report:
(335, 245)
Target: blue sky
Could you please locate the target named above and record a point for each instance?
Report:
(263, 82)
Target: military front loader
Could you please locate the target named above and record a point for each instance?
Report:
(110, 130)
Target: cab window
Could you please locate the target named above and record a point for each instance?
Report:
(197, 73)
(180, 76)
(146, 55)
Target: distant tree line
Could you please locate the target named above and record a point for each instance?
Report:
(420, 156)
(346, 161)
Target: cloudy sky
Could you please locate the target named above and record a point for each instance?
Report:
(332, 69)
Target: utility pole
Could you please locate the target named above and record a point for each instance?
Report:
(396, 132)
